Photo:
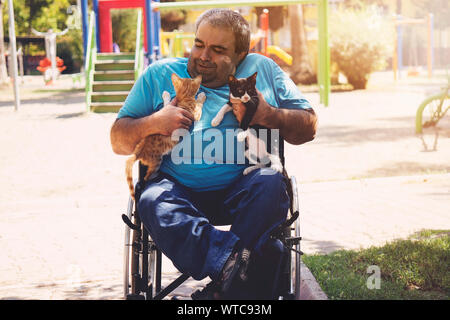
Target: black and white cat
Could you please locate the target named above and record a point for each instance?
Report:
(244, 89)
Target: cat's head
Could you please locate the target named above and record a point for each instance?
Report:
(186, 87)
(244, 89)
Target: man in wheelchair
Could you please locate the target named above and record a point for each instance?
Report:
(183, 203)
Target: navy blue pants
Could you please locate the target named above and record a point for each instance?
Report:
(182, 222)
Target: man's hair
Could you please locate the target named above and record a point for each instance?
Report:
(226, 18)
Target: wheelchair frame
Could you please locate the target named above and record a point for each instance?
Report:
(143, 260)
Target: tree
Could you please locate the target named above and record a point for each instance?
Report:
(124, 28)
(172, 19)
(301, 70)
(439, 8)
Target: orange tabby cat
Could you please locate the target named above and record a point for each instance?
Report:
(152, 148)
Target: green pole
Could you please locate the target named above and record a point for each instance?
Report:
(324, 53)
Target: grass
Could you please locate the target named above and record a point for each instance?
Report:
(417, 268)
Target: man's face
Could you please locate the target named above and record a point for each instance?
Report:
(213, 55)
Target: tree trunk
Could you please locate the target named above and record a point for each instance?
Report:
(3, 72)
(301, 70)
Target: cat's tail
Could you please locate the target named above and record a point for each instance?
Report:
(129, 173)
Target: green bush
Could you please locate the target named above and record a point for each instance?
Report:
(124, 25)
(360, 42)
(70, 49)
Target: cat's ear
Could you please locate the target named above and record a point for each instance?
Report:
(253, 77)
(198, 80)
(231, 78)
(175, 80)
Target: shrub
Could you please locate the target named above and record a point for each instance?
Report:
(360, 42)
(70, 49)
(124, 24)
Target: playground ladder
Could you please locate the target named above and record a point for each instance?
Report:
(110, 76)
(113, 80)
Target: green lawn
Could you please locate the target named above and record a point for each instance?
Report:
(415, 268)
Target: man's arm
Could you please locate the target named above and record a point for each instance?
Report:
(127, 132)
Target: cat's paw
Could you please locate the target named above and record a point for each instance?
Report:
(201, 98)
(166, 98)
(216, 121)
(241, 136)
(277, 167)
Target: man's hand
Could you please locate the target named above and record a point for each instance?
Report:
(261, 115)
(263, 112)
(126, 132)
(296, 126)
(171, 117)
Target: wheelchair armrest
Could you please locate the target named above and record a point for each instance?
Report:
(295, 207)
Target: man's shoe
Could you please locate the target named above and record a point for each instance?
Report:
(209, 292)
(236, 264)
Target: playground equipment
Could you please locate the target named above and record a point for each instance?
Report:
(50, 49)
(110, 76)
(176, 43)
(280, 53)
(433, 108)
(102, 9)
(263, 36)
(397, 64)
(45, 66)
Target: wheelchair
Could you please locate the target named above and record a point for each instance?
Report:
(142, 265)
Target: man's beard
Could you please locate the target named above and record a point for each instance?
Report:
(193, 68)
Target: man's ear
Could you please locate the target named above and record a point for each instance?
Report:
(242, 56)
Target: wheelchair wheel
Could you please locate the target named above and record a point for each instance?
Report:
(151, 285)
(296, 264)
(127, 250)
(139, 260)
(295, 256)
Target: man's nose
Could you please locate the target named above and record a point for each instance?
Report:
(205, 56)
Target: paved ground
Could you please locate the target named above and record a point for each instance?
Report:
(365, 180)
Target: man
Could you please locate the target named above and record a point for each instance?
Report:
(180, 204)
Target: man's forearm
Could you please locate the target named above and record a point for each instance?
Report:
(296, 126)
(127, 132)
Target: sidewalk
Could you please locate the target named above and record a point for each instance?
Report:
(364, 180)
(357, 214)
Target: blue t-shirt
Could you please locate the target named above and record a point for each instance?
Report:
(209, 158)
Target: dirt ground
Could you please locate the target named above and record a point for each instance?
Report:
(63, 190)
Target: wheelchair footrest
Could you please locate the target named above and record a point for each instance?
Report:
(293, 240)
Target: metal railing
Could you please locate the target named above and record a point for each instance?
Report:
(91, 53)
(139, 52)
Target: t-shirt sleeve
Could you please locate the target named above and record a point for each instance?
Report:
(140, 100)
(286, 92)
